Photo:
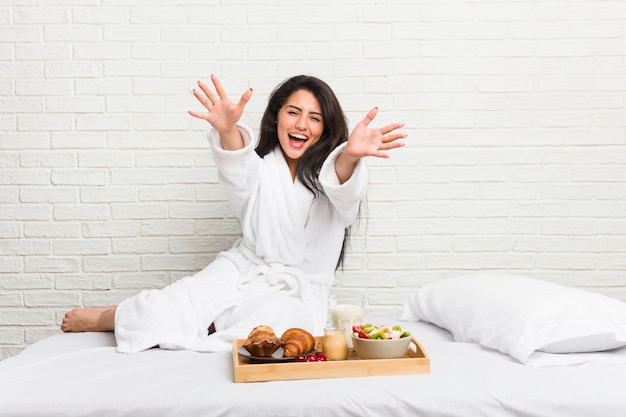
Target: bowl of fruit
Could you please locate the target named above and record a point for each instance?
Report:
(380, 342)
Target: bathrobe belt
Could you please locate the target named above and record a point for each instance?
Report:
(277, 277)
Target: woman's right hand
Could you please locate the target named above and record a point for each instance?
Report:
(222, 113)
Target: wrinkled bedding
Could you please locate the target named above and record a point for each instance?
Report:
(82, 375)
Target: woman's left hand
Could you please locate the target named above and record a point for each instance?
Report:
(364, 141)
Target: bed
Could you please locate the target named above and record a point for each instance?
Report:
(81, 374)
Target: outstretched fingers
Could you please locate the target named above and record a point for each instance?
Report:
(198, 115)
(390, 128)
(209, 98)
(389, 139)
(370, 116)
(222, 113)
(245, 97)
(202, 99)
(218, 87)
(221, 93)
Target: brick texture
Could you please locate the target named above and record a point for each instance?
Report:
(515, 159)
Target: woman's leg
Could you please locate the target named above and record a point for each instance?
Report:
(177, 316)
(100, 319)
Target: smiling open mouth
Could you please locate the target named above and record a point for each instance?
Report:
(297, 141)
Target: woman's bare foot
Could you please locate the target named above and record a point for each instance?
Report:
(101, 319)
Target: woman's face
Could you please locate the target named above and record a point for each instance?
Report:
(299, 125)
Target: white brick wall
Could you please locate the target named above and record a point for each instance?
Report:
(515, 160)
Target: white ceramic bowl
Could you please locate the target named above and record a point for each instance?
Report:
(379, 348)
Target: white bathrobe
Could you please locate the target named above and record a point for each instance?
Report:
(277, 274)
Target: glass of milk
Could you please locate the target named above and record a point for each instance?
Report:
(346, 311)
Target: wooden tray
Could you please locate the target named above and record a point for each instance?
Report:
(416, 361)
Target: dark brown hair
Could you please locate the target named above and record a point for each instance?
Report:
(335, 133)
(335, 126)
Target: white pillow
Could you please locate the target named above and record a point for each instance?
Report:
(520, 315)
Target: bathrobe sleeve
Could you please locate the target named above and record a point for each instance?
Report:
(345, 197)
(237, 170)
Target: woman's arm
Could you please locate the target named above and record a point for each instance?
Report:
(364, 141)
(222, 114)
(346, 196)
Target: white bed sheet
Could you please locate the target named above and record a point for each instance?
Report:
(82, 375)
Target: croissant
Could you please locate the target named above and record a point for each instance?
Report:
(262, 341)
(297, 342)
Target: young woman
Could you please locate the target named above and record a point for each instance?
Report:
(295, 195)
